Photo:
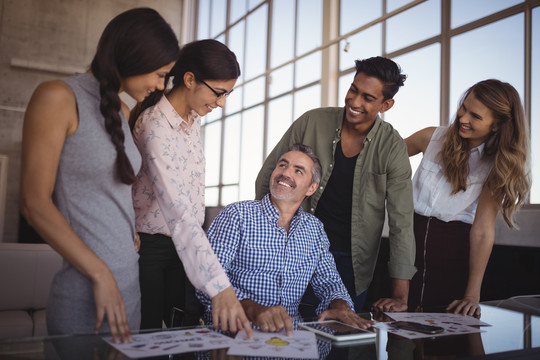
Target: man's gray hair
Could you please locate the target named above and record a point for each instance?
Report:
(316, 171)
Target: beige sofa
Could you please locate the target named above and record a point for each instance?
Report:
(26, 273)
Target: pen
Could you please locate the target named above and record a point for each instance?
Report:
(170, 347)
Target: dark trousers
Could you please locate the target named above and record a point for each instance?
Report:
(442, 260)
(162, 280)
(344, 267)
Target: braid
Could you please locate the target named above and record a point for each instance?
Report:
(110, 106)
(137, 41)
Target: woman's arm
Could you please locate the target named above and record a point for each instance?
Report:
(482, 237)
(419, 141)
(203, 269)
(51, 116)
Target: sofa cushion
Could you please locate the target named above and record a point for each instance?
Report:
(15, 324)
(40, 323)
(26, 273)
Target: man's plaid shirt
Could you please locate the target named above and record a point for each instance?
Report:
(269, 266)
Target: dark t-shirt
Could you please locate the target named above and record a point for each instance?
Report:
(334, 206)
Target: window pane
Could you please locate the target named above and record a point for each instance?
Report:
(255, 62)
(465, 11)
(411, 112)
(405, 29)
(281, 80)
(282, 28)
(476, 56)
(211, 196)
(221, 38)
(204, 23)
(535, 329)
(231, 150)
(307, 99)
(238, 9)
(229, 194)
(392, 5)
(212, 149)
(214, 115)
(363, 45)
(219, 11)
(236, 44)
(254, 92)
(535, 108)
(344, 84)
(355, 13)
(309, 28)
(253, 3)
(279, 120)
(234, 101)
(308, 69)
(251, 151)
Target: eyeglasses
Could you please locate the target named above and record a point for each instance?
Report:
(219, 95)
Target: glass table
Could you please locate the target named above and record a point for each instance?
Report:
(515, 333)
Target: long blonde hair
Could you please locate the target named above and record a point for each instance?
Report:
(508, 146)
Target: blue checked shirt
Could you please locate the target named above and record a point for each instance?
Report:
(269, 266)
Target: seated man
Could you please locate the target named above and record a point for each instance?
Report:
(271, 250)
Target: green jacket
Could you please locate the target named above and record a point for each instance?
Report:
(382, 179)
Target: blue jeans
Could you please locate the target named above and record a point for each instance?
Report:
(343, 262)
(344, 266)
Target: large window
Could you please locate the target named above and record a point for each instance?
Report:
(278, 45)
(535, 107)
(299, 54)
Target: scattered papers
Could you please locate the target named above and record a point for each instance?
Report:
(172, 342)
(302, 345)
(436, 318)
(453, 324)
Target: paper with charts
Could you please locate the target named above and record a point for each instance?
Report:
(172, 342)
(453, 324)
(302, 345)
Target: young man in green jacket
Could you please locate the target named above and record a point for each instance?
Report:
(366, 170)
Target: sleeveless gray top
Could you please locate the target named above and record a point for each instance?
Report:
(99, 208)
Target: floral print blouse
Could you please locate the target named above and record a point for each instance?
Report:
(168, 195)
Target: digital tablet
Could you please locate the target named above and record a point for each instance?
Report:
(338, 331)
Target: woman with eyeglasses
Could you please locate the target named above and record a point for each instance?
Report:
(168, 194)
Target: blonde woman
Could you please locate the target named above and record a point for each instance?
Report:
(469, 172)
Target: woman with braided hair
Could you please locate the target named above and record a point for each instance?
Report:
(470, 171)
(78, 164)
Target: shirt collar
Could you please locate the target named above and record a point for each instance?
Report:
(480, 148)
(370, 135)
(376, 125)
(272, 213)
(173, 118)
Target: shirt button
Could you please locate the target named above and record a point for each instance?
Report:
(333, 141)
(331, 165)
(312, 209)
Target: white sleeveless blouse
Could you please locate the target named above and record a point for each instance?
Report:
(432, 193)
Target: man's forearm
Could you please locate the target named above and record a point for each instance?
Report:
(337, 304)
(400, 290)
(251, 308)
